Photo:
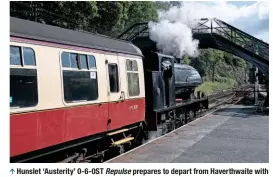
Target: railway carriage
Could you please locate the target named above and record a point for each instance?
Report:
(66, 85)
(76, 95)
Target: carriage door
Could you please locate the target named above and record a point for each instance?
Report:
(115, 97)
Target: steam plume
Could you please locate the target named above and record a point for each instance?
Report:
(173, 34)
(173, 38)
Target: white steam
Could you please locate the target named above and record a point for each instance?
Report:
(173, 34)
(173, 38)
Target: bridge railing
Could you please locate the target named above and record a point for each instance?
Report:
(234, 35)
(137, 30)
(213, 26)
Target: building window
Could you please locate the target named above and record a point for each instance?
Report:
(113, 77)
(23, 79)
(132, 77)
(79, 77)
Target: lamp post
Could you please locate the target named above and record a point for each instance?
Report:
(213, 69)
(256, 85)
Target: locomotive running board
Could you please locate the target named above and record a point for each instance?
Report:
(117, 132)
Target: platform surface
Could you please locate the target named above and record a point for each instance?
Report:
(234, 134)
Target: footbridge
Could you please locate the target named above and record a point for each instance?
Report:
(213, 33)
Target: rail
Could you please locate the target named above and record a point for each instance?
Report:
(222, 93)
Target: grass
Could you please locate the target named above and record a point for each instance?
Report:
(209, 87)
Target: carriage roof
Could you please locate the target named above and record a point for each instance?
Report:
(39, 31)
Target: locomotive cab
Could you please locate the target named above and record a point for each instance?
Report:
(159, 82)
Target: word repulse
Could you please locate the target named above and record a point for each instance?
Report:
(133, 172)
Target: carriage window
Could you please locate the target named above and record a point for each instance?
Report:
(73, 60)
(91, 62)
(131, 65)
(23, 81)
(79, 85)
(65, 59)
(29, 58)
(133, 83)
(15, 55)
(113, 77)
(134, 66)
(132, 77)
(83, 62)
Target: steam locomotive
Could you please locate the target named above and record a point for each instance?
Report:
(74, 91)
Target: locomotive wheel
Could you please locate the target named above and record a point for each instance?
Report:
(164, 128)
(191, 116)
(145, 134)
(181, 120)
(192, 96)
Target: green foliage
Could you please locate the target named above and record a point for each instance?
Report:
(186, 60)
(199, 65)
(113, 17)
(141, 11)
(161, 5)
(230, 70)
(209, 87)
(103, 17)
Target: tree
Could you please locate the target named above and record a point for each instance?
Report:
(186, 60)
(141, 11)
(103, 17)
(175, 3)
(215, 59)
(113, 17)
(199, 65)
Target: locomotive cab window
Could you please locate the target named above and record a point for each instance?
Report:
(23, 78)
(79, 77)
(132, 77)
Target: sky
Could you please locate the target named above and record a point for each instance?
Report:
(250, 16)
(175, 24)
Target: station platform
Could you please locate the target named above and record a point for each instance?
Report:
(234, 134)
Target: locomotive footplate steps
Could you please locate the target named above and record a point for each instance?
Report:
(234, 134)
(122, 141)
(117, 132)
